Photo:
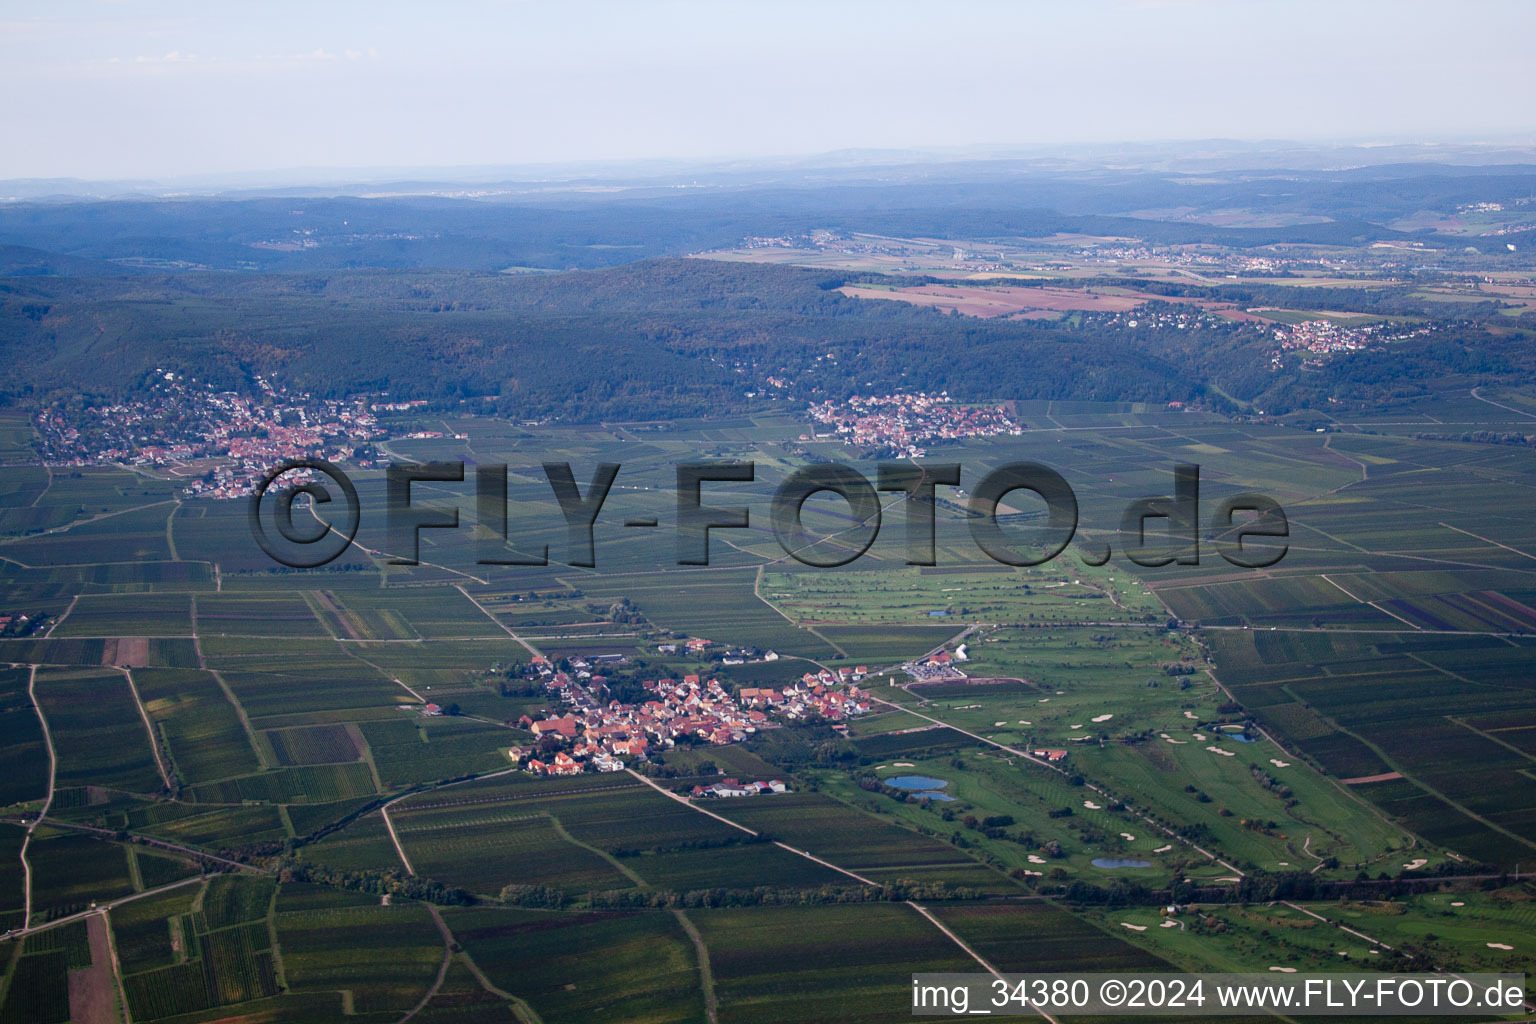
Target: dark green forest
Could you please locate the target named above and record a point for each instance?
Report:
(661, 339)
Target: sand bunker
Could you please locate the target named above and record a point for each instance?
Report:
(1458, 903)
(1279, 763)
(1036, 859)
(1075, 727)
(1499, 945)
(1169, 924)
(1223, 753)
(1102, 718)
(1175, 742)
(1163, 849)
(1200, 736)
(1284, 970)
(1415, 864)
(999, 725)
(1127, 837)
(1092, 806)
(1133, 927)
(1022, 722)
(1192, 715)
(902, 764)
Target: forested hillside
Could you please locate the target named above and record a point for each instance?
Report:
(658, 339)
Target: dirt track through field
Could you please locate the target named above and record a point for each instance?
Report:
(93, 989)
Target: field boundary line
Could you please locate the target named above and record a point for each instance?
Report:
(1394, 766)
(100, 908)
(502, 625)
(149, 728)
(706, 973)
(973, 954)
(117, 966)
(1372, 604)
(525, 1013)
(245, 720)
(93, 519)
(384, 812)
(617, 865)
(1480, 398)
(139, 837)
(390, 825)
(53, 769)
(1489, 540)
(170, 538)
(856, 877)
(688, 803)
(73, 598)
(442, 970)
(341, 645)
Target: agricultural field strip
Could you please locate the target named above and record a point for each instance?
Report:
(706, 974)
(1373, 604)
(187, 851)
(384, 810)
(53, 761)
(1418, 780)
(828, 864)
(395, 838)
(154, 740)
(370, 555)
(73, 600)
(117, 963)
(442, 971)
(503, 626)
(57, 922)
(83, 522)
(1489, 540)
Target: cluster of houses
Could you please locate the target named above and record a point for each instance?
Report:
(724, 654)
(905, 421)
(179, 419)
(1324, 338)
(603, 734)
(18, 623)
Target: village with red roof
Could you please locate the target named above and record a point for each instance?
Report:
(602, 734)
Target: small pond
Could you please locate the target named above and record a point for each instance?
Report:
(915, 782)
(1111, 863)
(921, 785)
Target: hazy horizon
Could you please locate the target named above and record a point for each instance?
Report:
(169, 90)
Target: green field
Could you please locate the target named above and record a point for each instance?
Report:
(1220, 725)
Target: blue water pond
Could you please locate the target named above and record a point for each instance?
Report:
(921, 785)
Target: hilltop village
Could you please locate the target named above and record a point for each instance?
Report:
(1319, 340)
(599, 734)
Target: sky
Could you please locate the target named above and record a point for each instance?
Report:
(175, 89)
